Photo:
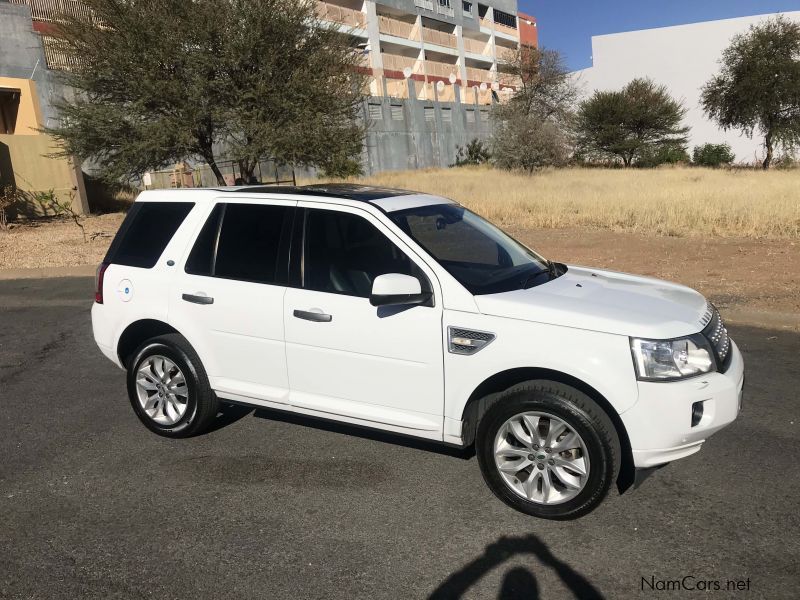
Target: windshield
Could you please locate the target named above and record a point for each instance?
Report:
(479, 255)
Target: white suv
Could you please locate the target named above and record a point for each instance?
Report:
(408, 313)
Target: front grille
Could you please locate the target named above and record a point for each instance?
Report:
(717, 335)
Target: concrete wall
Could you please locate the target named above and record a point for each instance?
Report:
(427, 135)
(24, 164)
(22, 56)
(683, 58)
(29, 113)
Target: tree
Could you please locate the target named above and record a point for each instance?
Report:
(159, 81)
(534, 128)
(713, 155)
(758, 86)
(641, 118)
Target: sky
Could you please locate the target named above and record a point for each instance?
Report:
(568, 25)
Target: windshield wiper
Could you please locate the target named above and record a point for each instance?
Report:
(551, 271)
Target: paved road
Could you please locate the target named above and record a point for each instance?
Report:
(92, 505)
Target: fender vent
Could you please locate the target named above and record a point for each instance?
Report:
(467, 341)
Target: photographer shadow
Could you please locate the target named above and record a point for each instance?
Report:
(519, 582)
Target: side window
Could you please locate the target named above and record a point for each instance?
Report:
(240, 241)
(344, 253)
(148, 228)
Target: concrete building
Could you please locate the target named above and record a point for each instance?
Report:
(683, 58)
(28, 90)
(452, 42)
(435, 67)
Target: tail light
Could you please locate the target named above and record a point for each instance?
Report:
(98, 282)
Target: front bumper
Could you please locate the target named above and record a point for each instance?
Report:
(660, 426)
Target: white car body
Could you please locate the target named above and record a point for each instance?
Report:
(393, 370)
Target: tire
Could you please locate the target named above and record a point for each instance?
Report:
(182, 410)
(558, 491)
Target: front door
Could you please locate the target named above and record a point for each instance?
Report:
(346, 357)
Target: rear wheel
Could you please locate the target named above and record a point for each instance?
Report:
(168, 388)
(548, 450)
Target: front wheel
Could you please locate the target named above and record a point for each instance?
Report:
(548, 450)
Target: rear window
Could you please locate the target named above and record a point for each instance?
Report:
(247, 246)
(146, 231)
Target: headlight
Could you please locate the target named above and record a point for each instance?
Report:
(660, 360)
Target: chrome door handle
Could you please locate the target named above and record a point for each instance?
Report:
(198, 298)
(311, 315)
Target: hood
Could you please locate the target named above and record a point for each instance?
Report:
(604, 301)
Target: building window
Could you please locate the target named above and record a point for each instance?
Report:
(397, 112)
(9, 107)
(467, 8)
(375, 112)
(430, 114)
(505, 19)
(470, 115)
(447, 115)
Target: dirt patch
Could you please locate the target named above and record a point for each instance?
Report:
(57, 242)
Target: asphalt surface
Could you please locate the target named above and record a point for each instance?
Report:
(92, 505)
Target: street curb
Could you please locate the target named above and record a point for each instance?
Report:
(48, 272)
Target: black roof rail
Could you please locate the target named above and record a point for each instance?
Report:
(350, 191)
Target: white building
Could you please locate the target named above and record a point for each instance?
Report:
(683, 58)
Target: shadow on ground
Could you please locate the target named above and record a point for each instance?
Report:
(519, 582)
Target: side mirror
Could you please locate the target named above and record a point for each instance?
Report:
(393, 289)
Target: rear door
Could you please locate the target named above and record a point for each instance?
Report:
(228, 298)
(377, 364)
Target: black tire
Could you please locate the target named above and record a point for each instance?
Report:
(202, 404)
(580, 413)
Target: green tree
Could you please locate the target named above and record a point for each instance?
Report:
(474, 153)
(758, 86)
(534, 128)
(713, 155)
(162, 80)
(640, 119)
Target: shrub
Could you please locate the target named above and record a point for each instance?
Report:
(474, 153)
(713, 155)
(666, 154)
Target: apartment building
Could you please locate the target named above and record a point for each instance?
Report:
(440, 44)
(435, 67)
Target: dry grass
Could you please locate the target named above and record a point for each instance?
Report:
(677, 202)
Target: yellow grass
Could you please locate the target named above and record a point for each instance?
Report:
(676, 201)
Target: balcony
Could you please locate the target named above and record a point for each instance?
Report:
(500, 28)
(51, 11)
(435, 68)
(444, 9)
(396, 62)
(397, 28)
(341, 15)
(440, 38)
(479, 75)
(475, 46)
(506, 55)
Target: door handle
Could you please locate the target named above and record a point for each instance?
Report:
(198, 298)
(313, 315)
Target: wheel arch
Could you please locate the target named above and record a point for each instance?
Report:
(136, 333)
(499, 382)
